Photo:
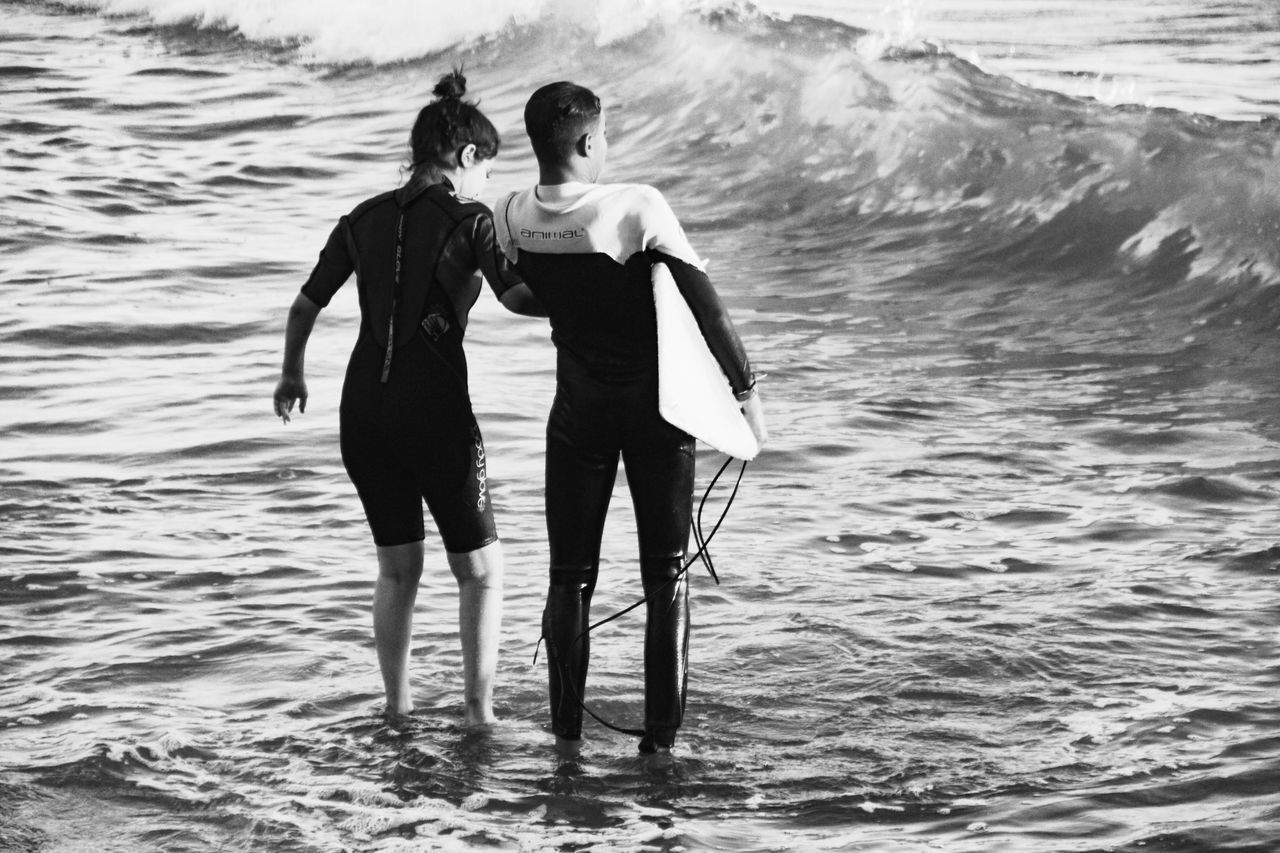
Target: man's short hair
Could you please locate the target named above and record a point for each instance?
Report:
(556, 117)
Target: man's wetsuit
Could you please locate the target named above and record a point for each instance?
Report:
(586, 252)
(412, 435)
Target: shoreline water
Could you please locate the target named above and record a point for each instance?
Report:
(1005, 579)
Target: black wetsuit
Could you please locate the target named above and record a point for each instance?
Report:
(407, 428)
(586, 251)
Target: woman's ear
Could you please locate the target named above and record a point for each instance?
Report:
(467, 155)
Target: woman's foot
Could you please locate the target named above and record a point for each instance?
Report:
(478, 717)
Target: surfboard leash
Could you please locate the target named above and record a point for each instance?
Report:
(702, 553)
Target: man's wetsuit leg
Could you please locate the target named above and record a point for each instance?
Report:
(564, 625)
(579, 483)
(661, 483)
(592, 422)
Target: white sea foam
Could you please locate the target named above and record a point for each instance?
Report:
(394, 30)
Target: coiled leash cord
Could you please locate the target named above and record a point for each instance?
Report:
(703, 553)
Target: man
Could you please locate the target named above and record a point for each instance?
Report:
(586, 251)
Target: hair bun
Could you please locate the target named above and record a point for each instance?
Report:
(451, 87)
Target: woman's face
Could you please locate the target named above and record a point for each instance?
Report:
(474, 178)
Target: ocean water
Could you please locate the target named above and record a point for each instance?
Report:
(1004, 580)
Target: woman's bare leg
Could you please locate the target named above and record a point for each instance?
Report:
(399, 570)
(479, 574)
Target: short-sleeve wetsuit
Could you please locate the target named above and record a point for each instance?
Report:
(412, 435)
(586, 252)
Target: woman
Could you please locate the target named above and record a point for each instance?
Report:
(408, 433)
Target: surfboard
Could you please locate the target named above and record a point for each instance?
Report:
(693, 392)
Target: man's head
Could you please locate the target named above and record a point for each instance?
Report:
(565, 123)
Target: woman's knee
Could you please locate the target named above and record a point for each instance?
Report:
(401, 564)
(482, 566)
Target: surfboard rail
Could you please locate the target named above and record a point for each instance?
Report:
(693, 392)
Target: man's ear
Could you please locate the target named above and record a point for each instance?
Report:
(467, 155)
(585, 143)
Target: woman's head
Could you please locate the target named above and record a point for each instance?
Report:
(448, 125)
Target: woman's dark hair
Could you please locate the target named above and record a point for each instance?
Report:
(448, 124)
(555, 118)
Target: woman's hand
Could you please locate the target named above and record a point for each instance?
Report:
(292, 388)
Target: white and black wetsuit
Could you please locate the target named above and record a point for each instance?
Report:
(586, 251)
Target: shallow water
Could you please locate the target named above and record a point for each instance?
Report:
(1006, 578)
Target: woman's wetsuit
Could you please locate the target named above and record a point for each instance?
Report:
(412, 435)
(586, 251)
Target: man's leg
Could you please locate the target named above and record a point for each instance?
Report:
(661, 483)
(578, 488)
